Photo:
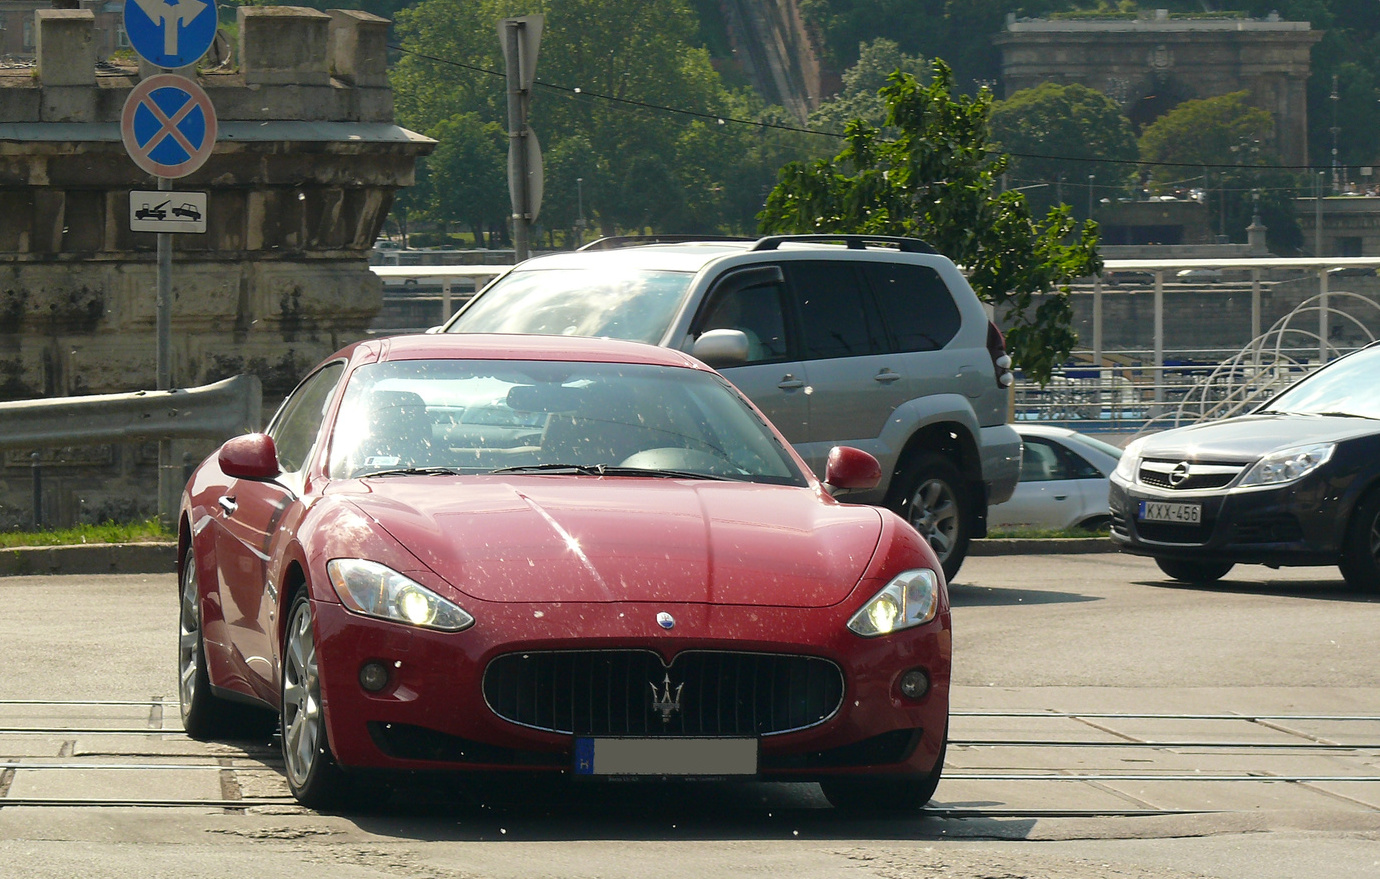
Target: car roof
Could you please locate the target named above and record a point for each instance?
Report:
(486, 346)
(689, 257)
(1042, 430)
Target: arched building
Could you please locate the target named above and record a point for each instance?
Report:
(1153, 62)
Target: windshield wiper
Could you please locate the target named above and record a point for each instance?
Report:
(609, 470)
(582, 469)
(415, 471)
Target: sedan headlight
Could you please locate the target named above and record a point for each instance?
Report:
(379, 591)
(910, 599)
(1126, 464)
(1287, 465)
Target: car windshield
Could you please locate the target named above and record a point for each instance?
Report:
(633, 304)
(422, 417)
(1346, 387)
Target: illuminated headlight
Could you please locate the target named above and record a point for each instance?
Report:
(910, 599)
(1126, 464)
(1288, 465)
(379, 591)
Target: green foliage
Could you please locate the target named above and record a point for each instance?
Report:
(639, 167)
(1071, 121)
(938, 180)
(1225, 130)
(467, 175)
(861, 97)
(106, 532)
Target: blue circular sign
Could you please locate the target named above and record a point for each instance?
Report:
(168, 125)
(170, 33)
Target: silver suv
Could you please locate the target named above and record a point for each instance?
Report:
(867, 341)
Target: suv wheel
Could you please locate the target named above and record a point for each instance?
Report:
(1194, 572)
(932, 499)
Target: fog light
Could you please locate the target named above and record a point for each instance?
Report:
(915, 683)
(373, 676)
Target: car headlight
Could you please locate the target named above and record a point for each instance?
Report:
(1126, 464)
(379, 591)
(910, 599)
(1287, 465)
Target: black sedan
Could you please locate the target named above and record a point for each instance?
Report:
(1296, 482)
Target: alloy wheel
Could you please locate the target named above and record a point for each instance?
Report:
(188, 638)
(302, 717)
(934, 513)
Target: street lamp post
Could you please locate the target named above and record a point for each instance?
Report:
(580, 200)
(1091, 178)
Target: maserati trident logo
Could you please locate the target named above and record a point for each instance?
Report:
(1178, 474)
(665, 620)
(666, 700)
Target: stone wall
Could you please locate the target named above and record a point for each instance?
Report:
(304, 171)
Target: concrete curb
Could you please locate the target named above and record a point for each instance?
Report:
(90, 558)
(161, 558)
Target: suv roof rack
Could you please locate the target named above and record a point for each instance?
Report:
(615, 241)
(853, 242)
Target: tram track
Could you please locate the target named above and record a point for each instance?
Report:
(1320, 739)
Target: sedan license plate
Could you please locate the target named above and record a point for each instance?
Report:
(1179, 514)
(665, 756)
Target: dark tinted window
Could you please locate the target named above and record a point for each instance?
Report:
(837, 315)
(754, 308)
(298, 424)
(916, 305)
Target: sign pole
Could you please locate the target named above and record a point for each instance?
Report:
(517, 133)
(168, 481)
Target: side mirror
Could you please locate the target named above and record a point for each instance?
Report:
(252, 456)
(851, 469)
(719, 348)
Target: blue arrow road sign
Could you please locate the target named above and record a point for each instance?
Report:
(170, 33)
(168, 125)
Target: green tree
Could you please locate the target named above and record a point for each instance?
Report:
(601, 63)
(468, 174)
(938, 180)
(861, 97)
(1082, 126)
(1225, 130)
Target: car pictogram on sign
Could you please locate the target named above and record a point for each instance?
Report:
(187, 211)
(153, 213)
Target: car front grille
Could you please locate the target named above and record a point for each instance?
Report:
(632, 693)
(1165, 532)
(1185, 476)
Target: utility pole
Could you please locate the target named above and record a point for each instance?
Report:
(520, 38)
(1091, 178)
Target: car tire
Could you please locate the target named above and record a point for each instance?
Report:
(313, 776)
(1360, 562)
(889, 794)
(1194, 571)
(1096, 523)
(204, 714)
(931, 496)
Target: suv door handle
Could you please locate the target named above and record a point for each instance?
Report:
(227, 504)
(790, 383)
(886, 376)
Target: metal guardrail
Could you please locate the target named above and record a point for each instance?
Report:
(215, 411)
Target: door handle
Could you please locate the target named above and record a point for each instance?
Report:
(886, 376)
(227, 504)
(790, 383)
(1061, 497)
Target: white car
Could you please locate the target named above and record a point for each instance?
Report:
(1063, 481)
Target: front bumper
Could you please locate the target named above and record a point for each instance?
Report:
(433, 713)
(1297, 524)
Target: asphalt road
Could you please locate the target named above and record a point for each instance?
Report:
(1106, 724)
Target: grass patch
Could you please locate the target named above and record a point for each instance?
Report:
(108, 532)
(1043, 533)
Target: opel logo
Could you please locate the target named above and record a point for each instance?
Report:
(1178, 474)
(665, 620)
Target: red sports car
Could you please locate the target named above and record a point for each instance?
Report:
(546, 554)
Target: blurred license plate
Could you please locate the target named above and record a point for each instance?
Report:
(665, 756)
(1181, 514)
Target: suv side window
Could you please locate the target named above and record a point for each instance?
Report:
(750, 301)
(837, 315)
(300, 422)
(916, 305)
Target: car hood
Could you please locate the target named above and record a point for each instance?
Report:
(567, 538)
(1250, 437)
